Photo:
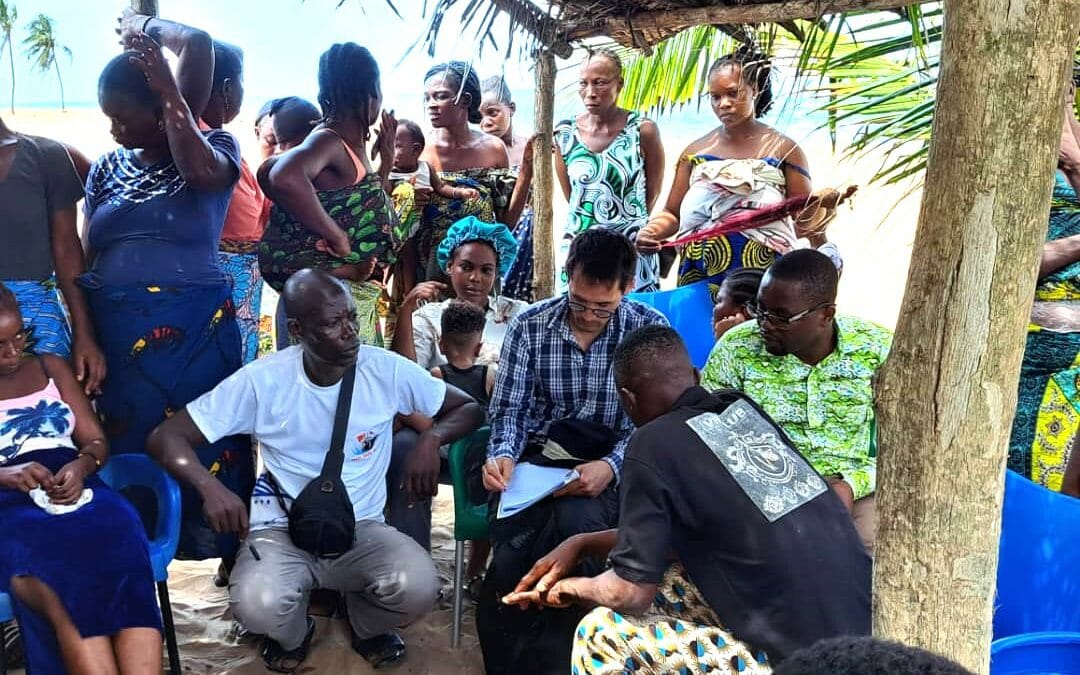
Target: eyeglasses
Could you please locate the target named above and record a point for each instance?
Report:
(596, 311)
(764, 315)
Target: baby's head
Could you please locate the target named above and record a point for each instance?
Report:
(294, 118)
(408, 144)
(462, 332)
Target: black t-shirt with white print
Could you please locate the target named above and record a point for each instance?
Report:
(772, 549)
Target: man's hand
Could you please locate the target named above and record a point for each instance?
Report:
(545, 573)
(421, 480)
(497, 473)
(595, 477)
(224, 511)
(843, 491)
(26, 477)
(88, 363)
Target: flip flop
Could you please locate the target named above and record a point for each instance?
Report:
(281, 660)
(380, 651)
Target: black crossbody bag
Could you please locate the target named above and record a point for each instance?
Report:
(321, 520)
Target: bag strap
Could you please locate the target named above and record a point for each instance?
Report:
(335, 456)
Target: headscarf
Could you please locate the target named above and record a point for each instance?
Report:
(470, 229)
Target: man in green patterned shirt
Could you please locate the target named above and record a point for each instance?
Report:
(812, 371)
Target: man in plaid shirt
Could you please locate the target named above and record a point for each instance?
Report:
(556, 366)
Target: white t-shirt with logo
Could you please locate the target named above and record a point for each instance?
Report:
(292, 419)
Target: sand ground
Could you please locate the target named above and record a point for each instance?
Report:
(874, 234)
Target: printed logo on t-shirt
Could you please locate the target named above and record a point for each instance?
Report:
(363, 445)
(775, 477)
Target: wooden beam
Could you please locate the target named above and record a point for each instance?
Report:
(530, 18)
(672, 21)
(544, 179)
(947, 393)
(147, 7)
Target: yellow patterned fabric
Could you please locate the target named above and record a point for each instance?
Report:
(680, 634)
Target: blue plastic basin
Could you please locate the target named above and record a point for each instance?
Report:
(1051, 653)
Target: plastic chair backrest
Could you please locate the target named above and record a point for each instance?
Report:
(1048, 652)
(689, 311)
(1038, 581)
(122, 471)
(6, 611)
(470, 521)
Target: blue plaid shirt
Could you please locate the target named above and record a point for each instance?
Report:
(544, 376)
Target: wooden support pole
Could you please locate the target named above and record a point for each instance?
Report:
(947, 393)
(147, 7)
(544, 178)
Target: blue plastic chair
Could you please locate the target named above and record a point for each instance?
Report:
(1050, 652)
(689, 311)
(6, 614)
(1038, 583)
(128, 470)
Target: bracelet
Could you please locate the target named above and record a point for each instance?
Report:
(97, 462)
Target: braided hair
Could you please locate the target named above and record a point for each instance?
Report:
(496, 86)
(756, 68)
(348, 80)
(611, 55)
(461, 76)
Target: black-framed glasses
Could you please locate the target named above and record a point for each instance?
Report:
(596, 311)
(764, 315)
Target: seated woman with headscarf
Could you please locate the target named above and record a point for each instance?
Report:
(330, 210)
(161, 303)
(74, 557)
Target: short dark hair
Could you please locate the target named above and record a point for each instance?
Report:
(228, 63)
(294, 118)
(8, 301)
(811, 269)
(461, 321)
(307, 289)
(647, 345)
(121, 76)
(497, 85)
(264, 111)
(742, 284)
(348, 80)
(461, 76)
(756, 68)
(866, 656)
(602, 255)
(415, 131)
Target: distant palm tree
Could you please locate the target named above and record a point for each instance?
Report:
(41, 47)
(8, 16)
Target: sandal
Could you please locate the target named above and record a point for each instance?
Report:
(281, 660)
(380, 651)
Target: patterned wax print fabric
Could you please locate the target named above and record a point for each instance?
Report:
(241, 264)
(165, 347)
(680, 633)
(362, 210)
(719, 187)
(495, 187)
(46, 322)
(607, 189)
(1048, 407)
(827, 410)
(518, 282)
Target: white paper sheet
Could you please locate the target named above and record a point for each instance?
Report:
(529, 484)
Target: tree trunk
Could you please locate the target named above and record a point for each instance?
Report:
(11, 58)
(147, 7)
(947, 394)
(56, 65)
(543, 179)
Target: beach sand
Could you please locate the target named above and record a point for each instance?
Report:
(874, 235)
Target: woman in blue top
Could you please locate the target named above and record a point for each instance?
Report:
(743, 163)
(161, 303)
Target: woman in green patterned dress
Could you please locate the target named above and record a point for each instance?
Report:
(1048, 407)
(330, 209)
(610, 163)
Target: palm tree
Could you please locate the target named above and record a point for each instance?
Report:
(41, 47)
(8, 16)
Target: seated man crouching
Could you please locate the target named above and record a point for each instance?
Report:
(555, 402)
(287, 402)
(812, 371)
(769, 560)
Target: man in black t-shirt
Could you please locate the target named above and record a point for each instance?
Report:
(769, 560)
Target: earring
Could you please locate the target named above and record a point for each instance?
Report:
(161, 125)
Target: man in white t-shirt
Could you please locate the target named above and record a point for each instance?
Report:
(287, 402)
